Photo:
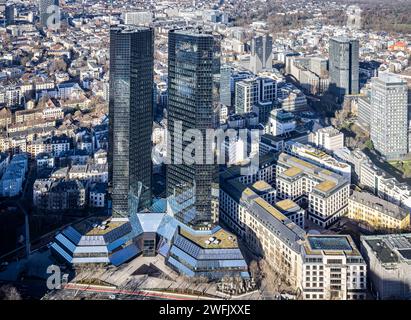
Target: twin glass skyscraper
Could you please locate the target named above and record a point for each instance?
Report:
(192, 189)
(131, 118)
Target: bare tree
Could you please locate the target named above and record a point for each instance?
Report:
(58, 65)
(339, 118)
(9, 292)
(43, 100)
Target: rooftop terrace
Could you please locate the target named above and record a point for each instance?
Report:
(270, 209)
(261, 185)
(98, 226)
(225, 239)
(326, 185)
(292, 172)
(330, 245)
(287, 205)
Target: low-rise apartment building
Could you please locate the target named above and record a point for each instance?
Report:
(376, 213)
(58, 195)
(97, 195)
(383, 185)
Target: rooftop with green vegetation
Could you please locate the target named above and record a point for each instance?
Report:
(261, 185)
(222, 239)
(98, 226)
(270, 209)
(287, 205)
(292, 172)
(325, 186)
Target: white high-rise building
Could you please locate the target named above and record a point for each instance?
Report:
(261, 53)
(389, 119)
(139, 18)
(246, 95)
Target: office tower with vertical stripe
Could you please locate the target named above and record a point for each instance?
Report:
(192, 189)
(131, 118)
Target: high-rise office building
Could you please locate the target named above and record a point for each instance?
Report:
(199, 247)
(344, 67)
(225, 88)
(354, 17)
(131, 118)
(389, 115)
(261, 53)
(9, 14)
(229, 76)
(3, 4)
(192, 189)
(138, 18)
(246, 95)
(48, 12)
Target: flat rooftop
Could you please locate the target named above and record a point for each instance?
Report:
(287, 205)
(316, 153)
(194, 32)
(292, 172)
(325, 186)
(261, 185)
(303, 163)
(390, 78)
(98, 226)
(382, 251)
(226, 239)
(329, 243)
(270, 209)
(126, 28)
(390, 248)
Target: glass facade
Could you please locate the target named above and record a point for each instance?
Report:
(192, 189)
(192, 259)
(131, 118)
(225, 90)
(344, 67)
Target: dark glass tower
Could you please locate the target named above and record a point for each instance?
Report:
(344, 66)
(9, 14)
(131, 118)
(192, 189)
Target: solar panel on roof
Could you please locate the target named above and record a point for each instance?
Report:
(399, 242)
(406, 253)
